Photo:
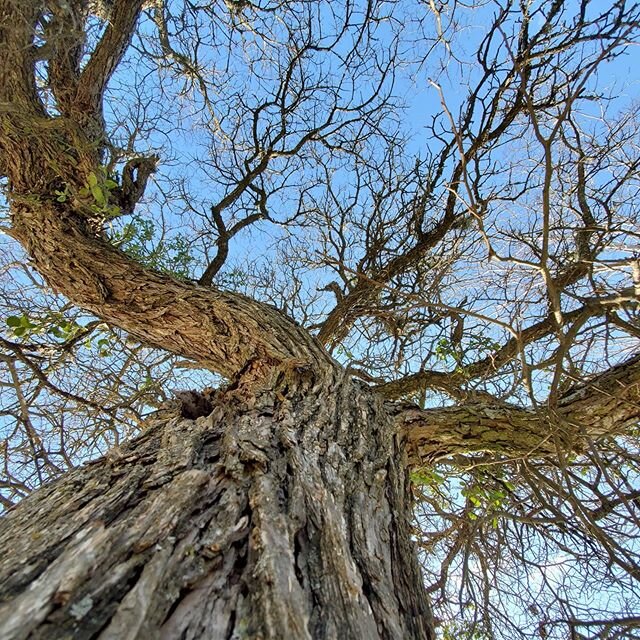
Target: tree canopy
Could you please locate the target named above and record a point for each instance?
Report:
(442, 194)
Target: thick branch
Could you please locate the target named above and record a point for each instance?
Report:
(221, 330)
(65, 38)
(108, 54)
(601, 407)
(225, 332)
(17, 80)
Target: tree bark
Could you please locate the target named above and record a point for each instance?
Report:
(282, 514)
(223, 331)
(606, 405)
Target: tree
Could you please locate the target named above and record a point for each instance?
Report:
(460, 306)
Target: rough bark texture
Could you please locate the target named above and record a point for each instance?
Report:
(41, 154)
(603, 406)
(280, 515)
(285, 512)
(221, 330)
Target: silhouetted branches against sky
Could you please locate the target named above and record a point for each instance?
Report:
(445, 194)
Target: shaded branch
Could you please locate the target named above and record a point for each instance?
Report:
(17, 80)
(222, 331)
(603, 406)
(225, 332)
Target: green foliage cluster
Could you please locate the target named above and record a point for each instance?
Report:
(463, 631)
(486, 500)
(478, 494)
(53, 323)
(97, 190)
(138, 239)
(235, 279)
(446, 349)
(56, 325)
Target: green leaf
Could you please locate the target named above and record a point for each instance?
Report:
(20, 322)
(98, 196)
(92, 179)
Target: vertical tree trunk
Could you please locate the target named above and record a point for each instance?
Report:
(282, 514)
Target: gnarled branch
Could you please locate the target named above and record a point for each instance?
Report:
(601, 407)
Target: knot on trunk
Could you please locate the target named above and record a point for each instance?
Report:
(194, 404)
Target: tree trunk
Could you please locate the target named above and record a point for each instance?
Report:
(284, 513)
